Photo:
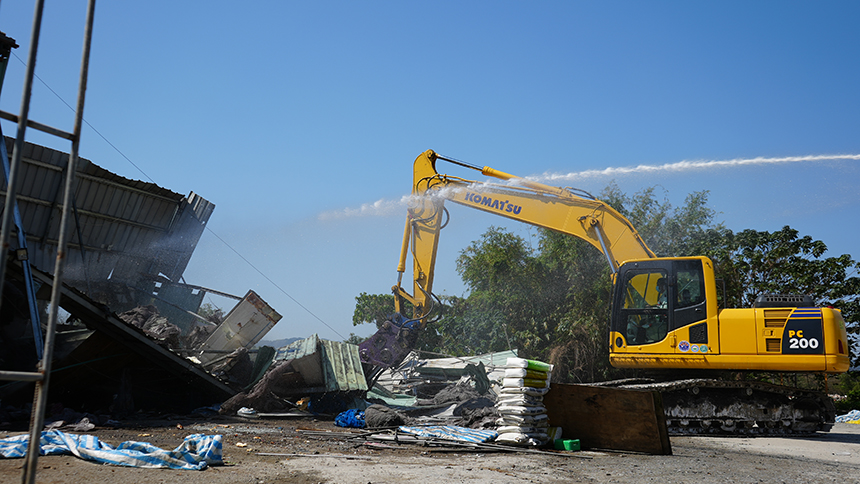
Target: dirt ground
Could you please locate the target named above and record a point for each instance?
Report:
(824, 457)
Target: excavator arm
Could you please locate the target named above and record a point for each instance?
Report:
(554, 208)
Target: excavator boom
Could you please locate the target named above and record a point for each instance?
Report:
(560, 209)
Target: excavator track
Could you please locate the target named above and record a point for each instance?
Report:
(709, 406)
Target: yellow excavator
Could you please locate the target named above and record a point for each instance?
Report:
(664, 316)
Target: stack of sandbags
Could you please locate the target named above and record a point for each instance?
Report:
(523, 419)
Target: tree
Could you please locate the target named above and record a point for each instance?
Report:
(781, 262)
(372, 308)
(355, 339)
(504, 278)
(669, 232)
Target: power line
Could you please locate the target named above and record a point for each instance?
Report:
(274, 284)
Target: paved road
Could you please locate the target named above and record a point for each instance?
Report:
(832, 457)
(841, 444)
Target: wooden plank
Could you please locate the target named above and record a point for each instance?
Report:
(609, 418)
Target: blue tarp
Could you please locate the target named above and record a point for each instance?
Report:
(452, 432)
(849, 417)
(196, 453)
(350, 418)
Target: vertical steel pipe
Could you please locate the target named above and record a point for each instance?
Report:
(41, 395)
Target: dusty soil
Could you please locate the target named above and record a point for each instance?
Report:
(830, 457)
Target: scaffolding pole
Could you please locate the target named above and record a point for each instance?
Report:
(42, 375)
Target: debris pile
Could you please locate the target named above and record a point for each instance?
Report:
(424, 378)
(523, 418)
(147, 319)
(379, 416)
(236, 368)
(269, 394)
(328, 372)
(430, 438)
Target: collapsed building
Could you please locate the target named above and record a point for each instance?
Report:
(132, 321)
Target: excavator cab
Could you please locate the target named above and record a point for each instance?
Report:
(656, 296)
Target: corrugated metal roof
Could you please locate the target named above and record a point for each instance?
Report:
(131, 230)
(342, 366)
(339, 363)
(298, 349)
(414, 368)
(490, 360)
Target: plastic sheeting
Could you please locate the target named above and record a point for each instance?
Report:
(350, 418)
(850, 417)
(196, 453)
(452, 432)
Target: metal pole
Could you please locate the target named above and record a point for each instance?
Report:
(5, 227)
(41, 397)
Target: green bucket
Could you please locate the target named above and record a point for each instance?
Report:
(567, 444)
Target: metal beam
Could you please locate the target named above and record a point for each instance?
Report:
(97, 317)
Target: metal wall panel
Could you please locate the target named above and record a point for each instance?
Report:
(330, 365)
(127, 232)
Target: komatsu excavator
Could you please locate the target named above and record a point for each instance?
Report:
(664, 314)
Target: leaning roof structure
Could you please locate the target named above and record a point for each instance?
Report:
(126, 233)
(129, 244)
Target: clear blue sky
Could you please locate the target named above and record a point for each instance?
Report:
(292, 116)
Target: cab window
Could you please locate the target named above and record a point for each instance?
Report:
(690, 288)
(646, 307)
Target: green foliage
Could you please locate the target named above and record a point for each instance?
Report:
(372, 308)
(669, 232)
(849, 384)
(355, 339)
(755, 263)
(211, 312)
(851, 401)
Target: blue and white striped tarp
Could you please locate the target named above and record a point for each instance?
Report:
(196, 453)
(849, 417)
(452, 432)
